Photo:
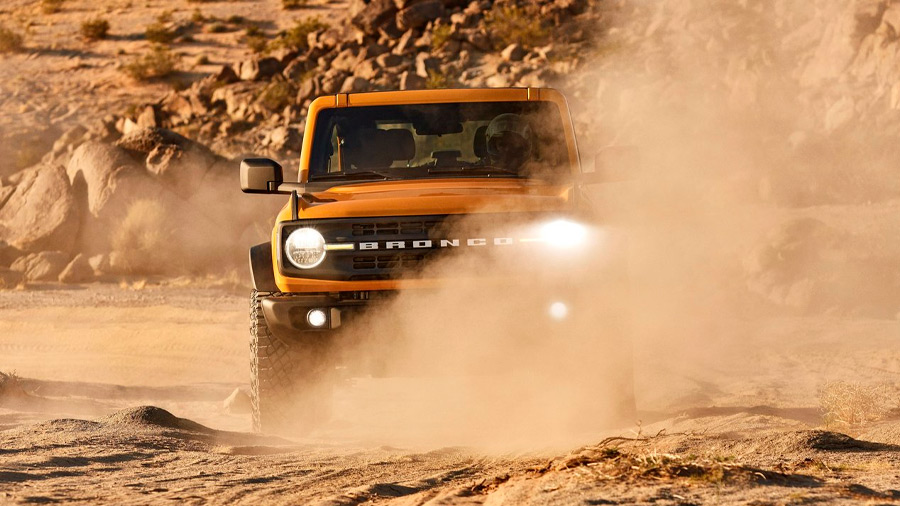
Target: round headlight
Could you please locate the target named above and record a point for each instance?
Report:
(305, 248)
(564, 234)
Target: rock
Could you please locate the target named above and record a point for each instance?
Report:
(94, 167)
(354, 84)
(513, 52)
(296, 70)
(389, 60)
(257, 69)
(284, 139)
(41, 211)
(237, 98)
(404, 43)
(425, 64)
(148, 118)
(332, 81)
(309, 89)
(79, 270)
(99, 263)
(43, 266)
(226, 75)
(371, 15)
(345, 60)
(10, 278)
(367, 70)
(419, 14)
(410, 81)
(8, 253)
(238, 403)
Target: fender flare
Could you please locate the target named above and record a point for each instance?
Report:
(262, 275)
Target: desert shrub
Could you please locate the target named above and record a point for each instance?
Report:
(297, 37)
(277, 95)
(292, 4)
(440, 36)
(10, 386)
(10, 41)
(197, 16)
(52, 6)
(141, 237)
(95, 29)
(234, 19)
(217, 28)
(846, 404)
(156, 63)
(255, 39)
(512, 24)
(202, 60)
(437, 80)
(158, 32)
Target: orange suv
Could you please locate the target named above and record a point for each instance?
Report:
(389, 182)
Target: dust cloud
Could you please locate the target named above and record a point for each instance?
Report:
(731, 109)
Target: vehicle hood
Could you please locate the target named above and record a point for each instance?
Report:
(441, 196)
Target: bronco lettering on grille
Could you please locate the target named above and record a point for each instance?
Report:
(427, 243)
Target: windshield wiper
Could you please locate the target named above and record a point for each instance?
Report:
(366, 174)
(481, 171)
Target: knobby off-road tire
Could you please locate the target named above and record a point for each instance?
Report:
(290, 385)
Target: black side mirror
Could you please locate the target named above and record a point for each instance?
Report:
(260, 175)
(611, 164)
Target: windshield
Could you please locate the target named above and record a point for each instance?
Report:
(481, 139)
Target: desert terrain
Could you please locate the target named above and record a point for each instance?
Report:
(763, 218)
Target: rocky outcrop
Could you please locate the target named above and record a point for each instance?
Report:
(38, 210)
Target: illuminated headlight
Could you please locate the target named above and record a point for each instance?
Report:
(563, 234)
(305, 248)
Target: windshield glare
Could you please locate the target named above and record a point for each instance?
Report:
(493, 139)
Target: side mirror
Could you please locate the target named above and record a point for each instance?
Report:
(260, 175)
(611, 164)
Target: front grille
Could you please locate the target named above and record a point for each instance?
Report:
(393, 228)
(389, 261)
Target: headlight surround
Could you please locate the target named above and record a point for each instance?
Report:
(563, 234)
(305, 248)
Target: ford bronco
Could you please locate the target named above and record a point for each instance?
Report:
(385, 178)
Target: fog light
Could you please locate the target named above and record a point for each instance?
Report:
(558, 310)
(316, 318)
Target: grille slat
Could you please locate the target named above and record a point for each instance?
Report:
(394, 228)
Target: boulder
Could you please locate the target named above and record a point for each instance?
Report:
(79, 270)
(419, 14)
(99, 263)
(257, 69)
(94, 167)
(43, 266)
(371, 15)
(283, 139)
(411, 81)
(426, 64)
(354, 84)
(39, 210)
(10, 278)
(513, 52)
(177, 161)
(8, 253)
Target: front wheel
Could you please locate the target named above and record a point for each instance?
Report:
(290, 381)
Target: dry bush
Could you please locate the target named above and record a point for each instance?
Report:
(159, 32)
(437, 80)
(10, 41)
(256, 40)
(51, 6)
(847, 404)
(440, 36)
(297, 37)
(293, 4)
(95, 29)
(157, 63)
(277, 95)
(520, 25)
(141, 237)
(10, 386)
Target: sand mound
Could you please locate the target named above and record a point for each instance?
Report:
(152, 416)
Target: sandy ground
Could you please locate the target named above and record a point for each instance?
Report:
(743, 431)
